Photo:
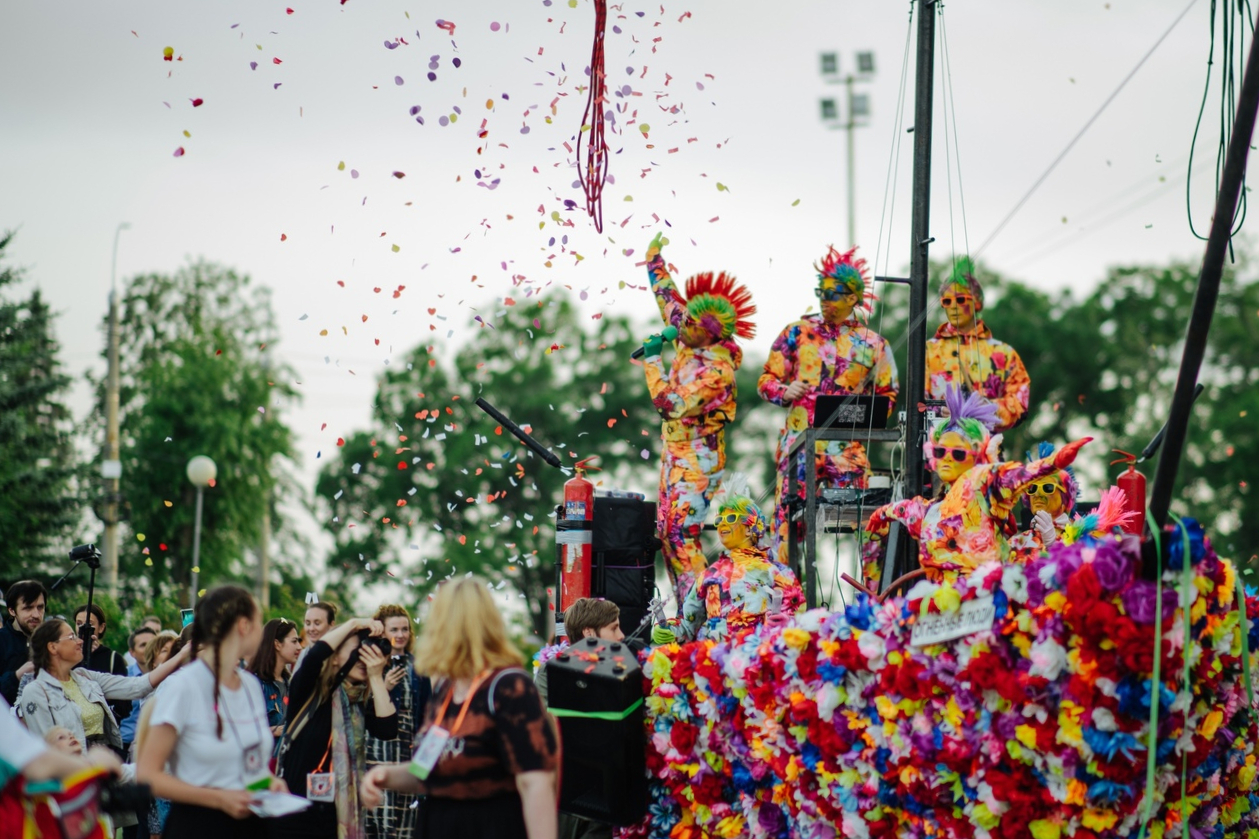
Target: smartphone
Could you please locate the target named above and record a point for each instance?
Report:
(397, 662)
(185, 616)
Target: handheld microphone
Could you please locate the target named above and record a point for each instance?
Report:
(668, 333)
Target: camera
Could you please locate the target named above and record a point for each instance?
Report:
(86, 553)
(382, 645)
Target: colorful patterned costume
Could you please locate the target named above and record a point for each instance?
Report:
(975, 361)
(696, 399)
(840, 358)
(734, 594)
(964, 354)
(972, 524)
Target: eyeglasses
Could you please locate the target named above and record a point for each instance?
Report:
(962, 300)
(1043, 489)
(730, 518)
(67, 638)
(941, 453)
(832, 295)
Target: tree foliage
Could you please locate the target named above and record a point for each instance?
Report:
(39, 498)
(437, 488)
(198, 377)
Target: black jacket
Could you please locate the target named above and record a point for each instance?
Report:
(15, 650)
(307, 750)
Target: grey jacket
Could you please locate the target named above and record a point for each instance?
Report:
(43, 703)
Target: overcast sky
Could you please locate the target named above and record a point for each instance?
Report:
(734, 155)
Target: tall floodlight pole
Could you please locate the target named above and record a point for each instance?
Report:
(111, 469)
(857, 109)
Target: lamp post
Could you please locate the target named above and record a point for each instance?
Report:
(858, 109)
(201, 471)
(111, 468)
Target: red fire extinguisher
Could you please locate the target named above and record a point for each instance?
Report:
(1132, 483)
(574, 538)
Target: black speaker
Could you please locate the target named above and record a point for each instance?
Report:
(595, 690)
(625, 546)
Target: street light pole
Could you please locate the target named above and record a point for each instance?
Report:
(201, 472)
(111, 469)
(856, 109)
(852, 189)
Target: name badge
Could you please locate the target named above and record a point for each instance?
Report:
(429, 752)
(257, 773)
(319, 787)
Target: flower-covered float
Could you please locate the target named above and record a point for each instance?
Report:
(1014, 701)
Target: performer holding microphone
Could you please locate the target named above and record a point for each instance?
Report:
(696, 399)
(825, 354)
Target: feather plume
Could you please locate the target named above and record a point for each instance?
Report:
(723, 302)
(844, 268)
(1110, 510)
(970, 406)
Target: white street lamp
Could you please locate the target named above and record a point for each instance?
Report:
(201, 471)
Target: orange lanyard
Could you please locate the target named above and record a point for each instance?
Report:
(467, 701)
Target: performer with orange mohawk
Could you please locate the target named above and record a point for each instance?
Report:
(821, 355)
(696, 399)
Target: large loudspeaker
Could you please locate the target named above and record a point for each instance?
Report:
(595, 690)
(625, 546)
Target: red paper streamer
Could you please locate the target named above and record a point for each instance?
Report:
(594, 174)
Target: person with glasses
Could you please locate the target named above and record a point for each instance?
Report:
(972, 519)
(828, 354)
(64, 694)
(695, 398)
(742, 589)
(1052, 500)
(964, 354)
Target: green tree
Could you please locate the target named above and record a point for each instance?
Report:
(436, 488)
(198, 376)
(39, 500)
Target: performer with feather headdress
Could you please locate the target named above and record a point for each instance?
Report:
(971, 521)
(696, 399)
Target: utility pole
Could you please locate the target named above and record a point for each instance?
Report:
(264, 556)
(920, 226)
(111, 469)
(857, 110)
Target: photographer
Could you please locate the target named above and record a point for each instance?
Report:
(338, 692)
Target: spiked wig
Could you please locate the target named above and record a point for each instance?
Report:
(721, 306)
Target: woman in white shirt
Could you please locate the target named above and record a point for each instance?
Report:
(209, 724)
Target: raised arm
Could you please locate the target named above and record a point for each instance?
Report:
(662, 286)
(1009, 479)
(910, 512)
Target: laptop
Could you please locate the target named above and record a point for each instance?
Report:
(851, 411)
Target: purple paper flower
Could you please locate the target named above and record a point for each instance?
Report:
(1138, 601)
(1112, 568)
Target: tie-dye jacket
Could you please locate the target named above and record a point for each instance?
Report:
(972, 524)
(993, 369)
(735, 594)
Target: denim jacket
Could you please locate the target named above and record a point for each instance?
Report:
(43, 703)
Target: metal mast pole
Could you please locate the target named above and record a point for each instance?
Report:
(916, 375)
(1205, 297)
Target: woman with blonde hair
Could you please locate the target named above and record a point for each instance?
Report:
(487, 753)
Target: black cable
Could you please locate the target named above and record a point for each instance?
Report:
(1045, 175)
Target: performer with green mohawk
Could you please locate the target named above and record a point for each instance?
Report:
(964, 354)
(695, 398)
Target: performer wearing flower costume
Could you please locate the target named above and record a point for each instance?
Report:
(743, 588)
(831, 353)
(964, 354)
(972, 521)
(695, 399)
(1052, 501)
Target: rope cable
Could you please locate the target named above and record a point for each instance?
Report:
(1087, 125)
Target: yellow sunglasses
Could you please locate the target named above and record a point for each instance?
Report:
(729, 518)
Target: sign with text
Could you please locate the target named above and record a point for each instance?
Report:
(972, 616)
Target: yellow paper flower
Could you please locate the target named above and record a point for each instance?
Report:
(795, 637)
(947, 599)
(1026, 735)
(1099, 819)
(1044, 829)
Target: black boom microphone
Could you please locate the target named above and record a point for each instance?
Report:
(668, 333)
(522, 435)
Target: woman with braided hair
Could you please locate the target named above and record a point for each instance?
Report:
(207, 743)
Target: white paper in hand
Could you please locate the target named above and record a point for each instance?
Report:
(273, 805)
